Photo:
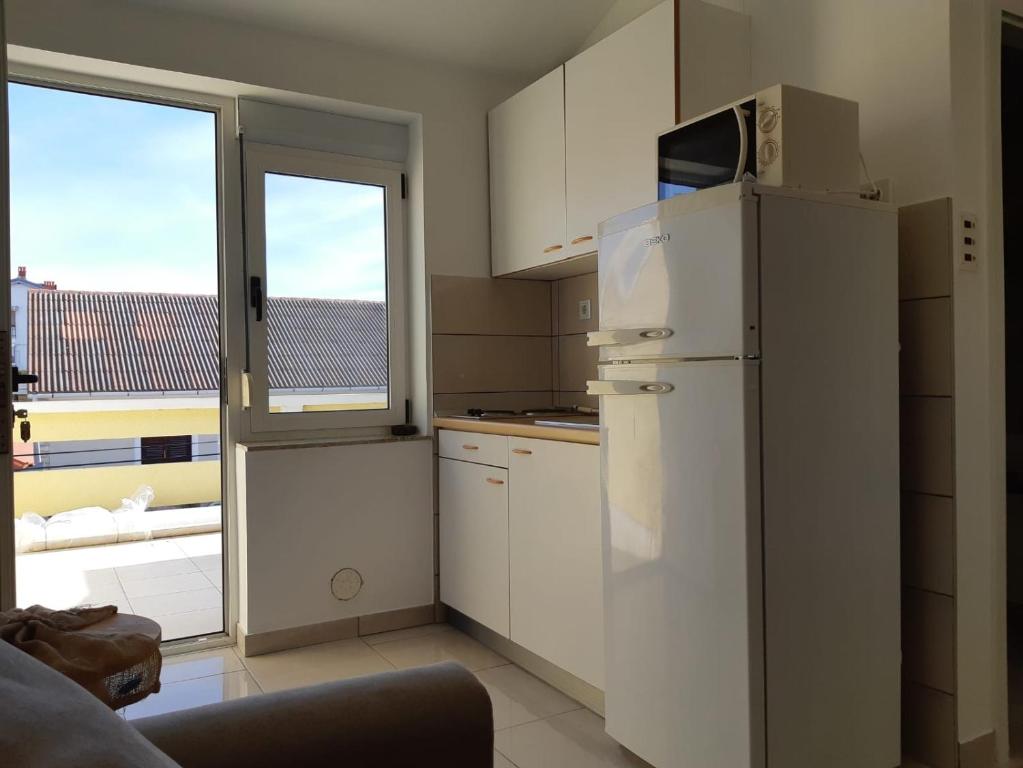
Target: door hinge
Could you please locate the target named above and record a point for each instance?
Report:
(404, 187)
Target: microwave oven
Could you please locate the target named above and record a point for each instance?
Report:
(781, 136)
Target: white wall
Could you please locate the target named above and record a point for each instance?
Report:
(617, 16)
(891, 57)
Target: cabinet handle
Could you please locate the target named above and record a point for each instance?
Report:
(552, 248)
(495, 481)
(583, 239)
(522, 452)
(467, 447)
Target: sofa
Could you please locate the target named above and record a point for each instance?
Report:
(438, 715)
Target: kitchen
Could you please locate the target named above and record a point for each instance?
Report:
(599, 551)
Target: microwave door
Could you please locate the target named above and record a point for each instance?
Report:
(706, 152)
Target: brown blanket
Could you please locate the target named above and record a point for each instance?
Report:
(88, 658)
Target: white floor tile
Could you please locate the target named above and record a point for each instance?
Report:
(404, 634)
(500, 761)
(177, 602)
(447, 645)
(195, 693)
(156, 569)
(315, 664)
(572, 740)
(190, 666)
(208, 621)
(216, 578)
(518, 697)
(202, 544)
(208, 562)
(166, 585)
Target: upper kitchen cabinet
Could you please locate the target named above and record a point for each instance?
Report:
(619, 94)
(579, 146)
(527, 177)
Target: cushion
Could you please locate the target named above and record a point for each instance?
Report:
(48, 720)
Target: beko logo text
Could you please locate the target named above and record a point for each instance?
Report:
(657, 239)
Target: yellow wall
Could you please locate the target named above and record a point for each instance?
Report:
(47, 492)
(103, 425)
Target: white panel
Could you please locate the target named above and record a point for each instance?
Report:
(831, 483)
(474, 541)
(309, 129)
(695, 274)
(308, 512)
(557, 594)
(619, 94)
(682, 565)
(527, 176)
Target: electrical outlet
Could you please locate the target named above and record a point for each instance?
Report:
(884, 190)
(585, 312)
(969, 241)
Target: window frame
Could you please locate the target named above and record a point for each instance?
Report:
(260, 159)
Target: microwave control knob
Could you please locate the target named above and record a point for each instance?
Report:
(767, 118)
(768, 152)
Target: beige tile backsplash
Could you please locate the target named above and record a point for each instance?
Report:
(469, 305)
(925, 336)
(577, 363)
(928, 726)
(925, 249)
(511, 344)
(928, 639)
(491, 364)
(927, 389)
(928, 542)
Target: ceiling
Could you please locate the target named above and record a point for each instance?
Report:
(514, 37)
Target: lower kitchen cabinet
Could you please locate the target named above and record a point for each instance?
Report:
(555, 546)
(474, 541)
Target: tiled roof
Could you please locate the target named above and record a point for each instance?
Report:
(83, 341)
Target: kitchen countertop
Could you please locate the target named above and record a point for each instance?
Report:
(524, 428)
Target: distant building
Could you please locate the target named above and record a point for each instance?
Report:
(128, 386)
(20, 287)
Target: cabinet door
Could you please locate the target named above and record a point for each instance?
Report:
(527, 177)
(557, 594)
(619, 94)
(474, 541)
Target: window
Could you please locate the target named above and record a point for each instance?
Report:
(326, 292)
(167, 449)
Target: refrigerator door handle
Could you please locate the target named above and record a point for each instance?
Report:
(626, 336)
(628, 388)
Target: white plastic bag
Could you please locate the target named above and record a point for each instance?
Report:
(29, 533)
(131, 519)
(81, 527)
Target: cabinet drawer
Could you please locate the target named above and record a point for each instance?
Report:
(474, 446)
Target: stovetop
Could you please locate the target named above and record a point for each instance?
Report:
(479, 414)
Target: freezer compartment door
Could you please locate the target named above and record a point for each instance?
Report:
(682, 568)
(681, 286)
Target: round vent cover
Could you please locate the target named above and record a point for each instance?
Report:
(346, 583)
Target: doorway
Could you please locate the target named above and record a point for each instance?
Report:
(1012, 201)
(115, 327)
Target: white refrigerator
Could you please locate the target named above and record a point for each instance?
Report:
(750, 468)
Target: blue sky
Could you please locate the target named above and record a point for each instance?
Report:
(120, 195)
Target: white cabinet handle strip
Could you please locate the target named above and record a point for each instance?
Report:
(495, 481)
